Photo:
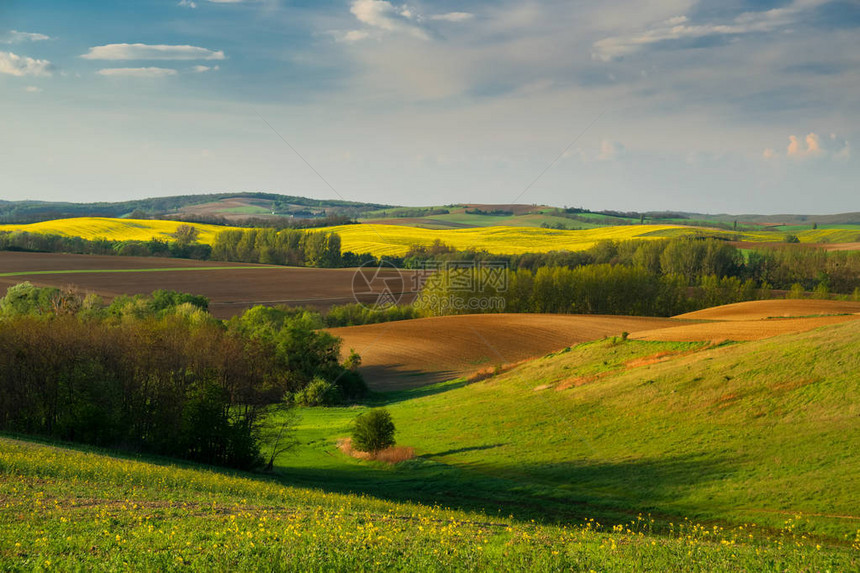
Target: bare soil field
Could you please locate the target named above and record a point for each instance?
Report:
(413, 353)
(764, 309)
(229, 289)
(13, 262)
(740, 330)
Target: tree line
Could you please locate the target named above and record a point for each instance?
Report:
(592, 289)
(691, 258)
(157, 374)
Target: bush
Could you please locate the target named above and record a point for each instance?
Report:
(319, 393)
(373, 431)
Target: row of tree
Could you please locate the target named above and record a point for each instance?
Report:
(592, 289)
(285, 247)
(157, 374)
(690, 258)
(46, 243)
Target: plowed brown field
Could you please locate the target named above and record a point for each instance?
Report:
(412, 353)
(739, 330)
(229, 289)
(764, 309)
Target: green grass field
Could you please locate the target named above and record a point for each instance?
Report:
(744, 433)
(611, 456)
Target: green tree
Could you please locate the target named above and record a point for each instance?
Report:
(186, 234)
(373, 431)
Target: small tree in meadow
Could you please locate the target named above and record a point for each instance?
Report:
(373, 431)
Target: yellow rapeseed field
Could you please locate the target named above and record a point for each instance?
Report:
(395, 240)
(115, 229)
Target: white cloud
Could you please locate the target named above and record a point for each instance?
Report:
(151, 52)
(32, 89)
(187, 3)
(385, 16)
(201, 69)
(453, 16)
(138, 72)
(16, 65)
(679, 28)
(16, 37)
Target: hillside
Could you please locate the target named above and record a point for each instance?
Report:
(647, 455)
(71, 510)
(413, 353)
(229, 205)
(745, 433)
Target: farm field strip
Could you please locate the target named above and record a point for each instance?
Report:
(230, 287)
(116, 229)
(740, 330)
(412, 353)
(151, 270)
(778, 308)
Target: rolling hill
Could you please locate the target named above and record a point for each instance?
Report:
(413, 353)
(757, 434)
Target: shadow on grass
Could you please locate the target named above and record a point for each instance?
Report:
(610, 492)
(462, 450)
(393, 397)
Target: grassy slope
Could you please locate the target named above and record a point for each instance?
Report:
(73, 510)
(745, 433)
(738, 433)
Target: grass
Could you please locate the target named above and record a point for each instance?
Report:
(743, 433)
(74, 510)
(613, 456)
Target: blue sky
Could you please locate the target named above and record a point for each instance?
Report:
(733, 106)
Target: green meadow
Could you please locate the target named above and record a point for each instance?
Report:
(612, 455)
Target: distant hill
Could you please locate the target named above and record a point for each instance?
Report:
(236, 207)
(229, 206)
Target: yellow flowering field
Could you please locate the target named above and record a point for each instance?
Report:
(115, 229)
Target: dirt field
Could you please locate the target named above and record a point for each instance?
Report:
(408, 354)
(740, 330)
(229, 289)
(764, 309)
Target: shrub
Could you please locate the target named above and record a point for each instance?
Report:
(373, 431)
(319, 393)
